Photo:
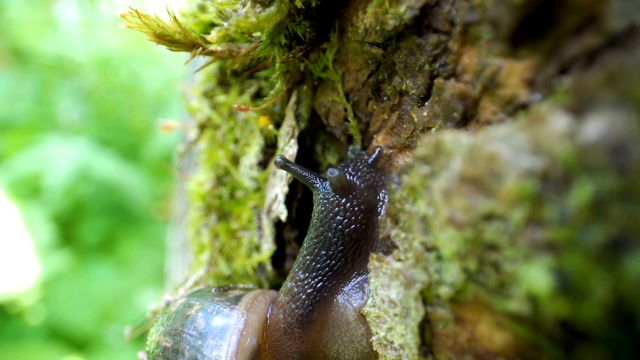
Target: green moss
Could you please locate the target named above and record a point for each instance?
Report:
(527, 217)
(175, 35)
(235, 197)
(225, 191)
(324, 68)
(379, 20)
(394, 301)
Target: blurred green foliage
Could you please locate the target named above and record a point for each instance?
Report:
(81, 154)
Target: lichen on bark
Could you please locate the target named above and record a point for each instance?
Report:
(511, 133)
(520, 232)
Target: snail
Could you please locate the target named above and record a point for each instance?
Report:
(316, 314)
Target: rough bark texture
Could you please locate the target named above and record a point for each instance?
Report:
(513, 133)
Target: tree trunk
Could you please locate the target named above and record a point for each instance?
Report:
(512, 136)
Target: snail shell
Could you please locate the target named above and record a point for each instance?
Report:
(316, 314)
(211, 324)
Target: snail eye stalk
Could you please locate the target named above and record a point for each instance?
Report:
(306, 176)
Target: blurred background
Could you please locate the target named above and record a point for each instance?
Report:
(85, 176)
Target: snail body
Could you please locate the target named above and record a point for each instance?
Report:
(316, 313)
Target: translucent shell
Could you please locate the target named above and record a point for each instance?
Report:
(209, 324)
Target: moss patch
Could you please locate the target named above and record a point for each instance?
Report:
(523, 220)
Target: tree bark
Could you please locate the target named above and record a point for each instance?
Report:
(513, 138)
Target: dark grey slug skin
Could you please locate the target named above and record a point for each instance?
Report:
(347, 206)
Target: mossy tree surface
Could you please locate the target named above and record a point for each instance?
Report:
(513, 140)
